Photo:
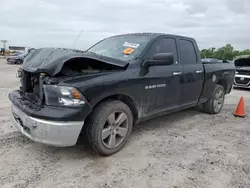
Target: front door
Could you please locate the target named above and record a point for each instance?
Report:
(162, 83)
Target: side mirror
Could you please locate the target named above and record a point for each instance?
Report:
(160, 59)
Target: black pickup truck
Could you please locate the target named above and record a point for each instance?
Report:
(118, 82)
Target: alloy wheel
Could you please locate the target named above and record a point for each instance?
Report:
(218, 101)
(115, 129)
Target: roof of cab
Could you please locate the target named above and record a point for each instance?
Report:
(153, 35)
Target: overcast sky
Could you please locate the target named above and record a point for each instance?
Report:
(57, 23)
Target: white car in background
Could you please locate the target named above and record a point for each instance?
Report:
(242, 74)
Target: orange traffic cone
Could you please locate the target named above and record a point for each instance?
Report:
(240, 110)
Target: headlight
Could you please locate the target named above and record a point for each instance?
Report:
(236, 72)
(63, 96)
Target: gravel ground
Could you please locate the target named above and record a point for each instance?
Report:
(186, 149)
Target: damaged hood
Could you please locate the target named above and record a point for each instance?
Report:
(51, 60)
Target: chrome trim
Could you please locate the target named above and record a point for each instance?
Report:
(176, 73)
(199, 71)
(55, 133)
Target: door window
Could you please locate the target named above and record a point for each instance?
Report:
(163, 45)
(187, 52)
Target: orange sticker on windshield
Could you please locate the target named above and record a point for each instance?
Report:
(128, 51)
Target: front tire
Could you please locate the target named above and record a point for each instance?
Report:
(109, 127)
(216, 100)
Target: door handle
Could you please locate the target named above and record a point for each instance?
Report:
(176, 73)
(199, 71)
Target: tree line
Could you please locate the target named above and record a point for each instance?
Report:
(226, 52)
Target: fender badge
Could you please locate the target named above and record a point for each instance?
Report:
(214, 78)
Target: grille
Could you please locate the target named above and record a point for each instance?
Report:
(243, 82)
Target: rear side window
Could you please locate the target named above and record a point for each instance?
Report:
(163, 45)
(187, 52)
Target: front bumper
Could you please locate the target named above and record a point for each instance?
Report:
(55, 133)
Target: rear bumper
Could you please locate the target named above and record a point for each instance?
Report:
(55, 133)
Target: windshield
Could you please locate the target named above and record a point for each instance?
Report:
(124, 47)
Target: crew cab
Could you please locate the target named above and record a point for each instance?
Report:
(120, 81)
(242, 77)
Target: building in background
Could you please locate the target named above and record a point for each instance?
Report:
(17, 48)
(6, 50)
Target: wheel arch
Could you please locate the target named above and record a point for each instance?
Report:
(223, 83)
(124, 98)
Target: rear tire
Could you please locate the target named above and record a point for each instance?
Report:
(109, 127)
(216, 101)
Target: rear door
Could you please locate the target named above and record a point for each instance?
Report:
(192, 77)
(162, 83)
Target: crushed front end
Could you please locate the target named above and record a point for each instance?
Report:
(46, 112)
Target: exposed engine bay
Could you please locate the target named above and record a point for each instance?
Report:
(85, 66)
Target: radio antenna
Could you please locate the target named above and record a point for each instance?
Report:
(80, 33)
